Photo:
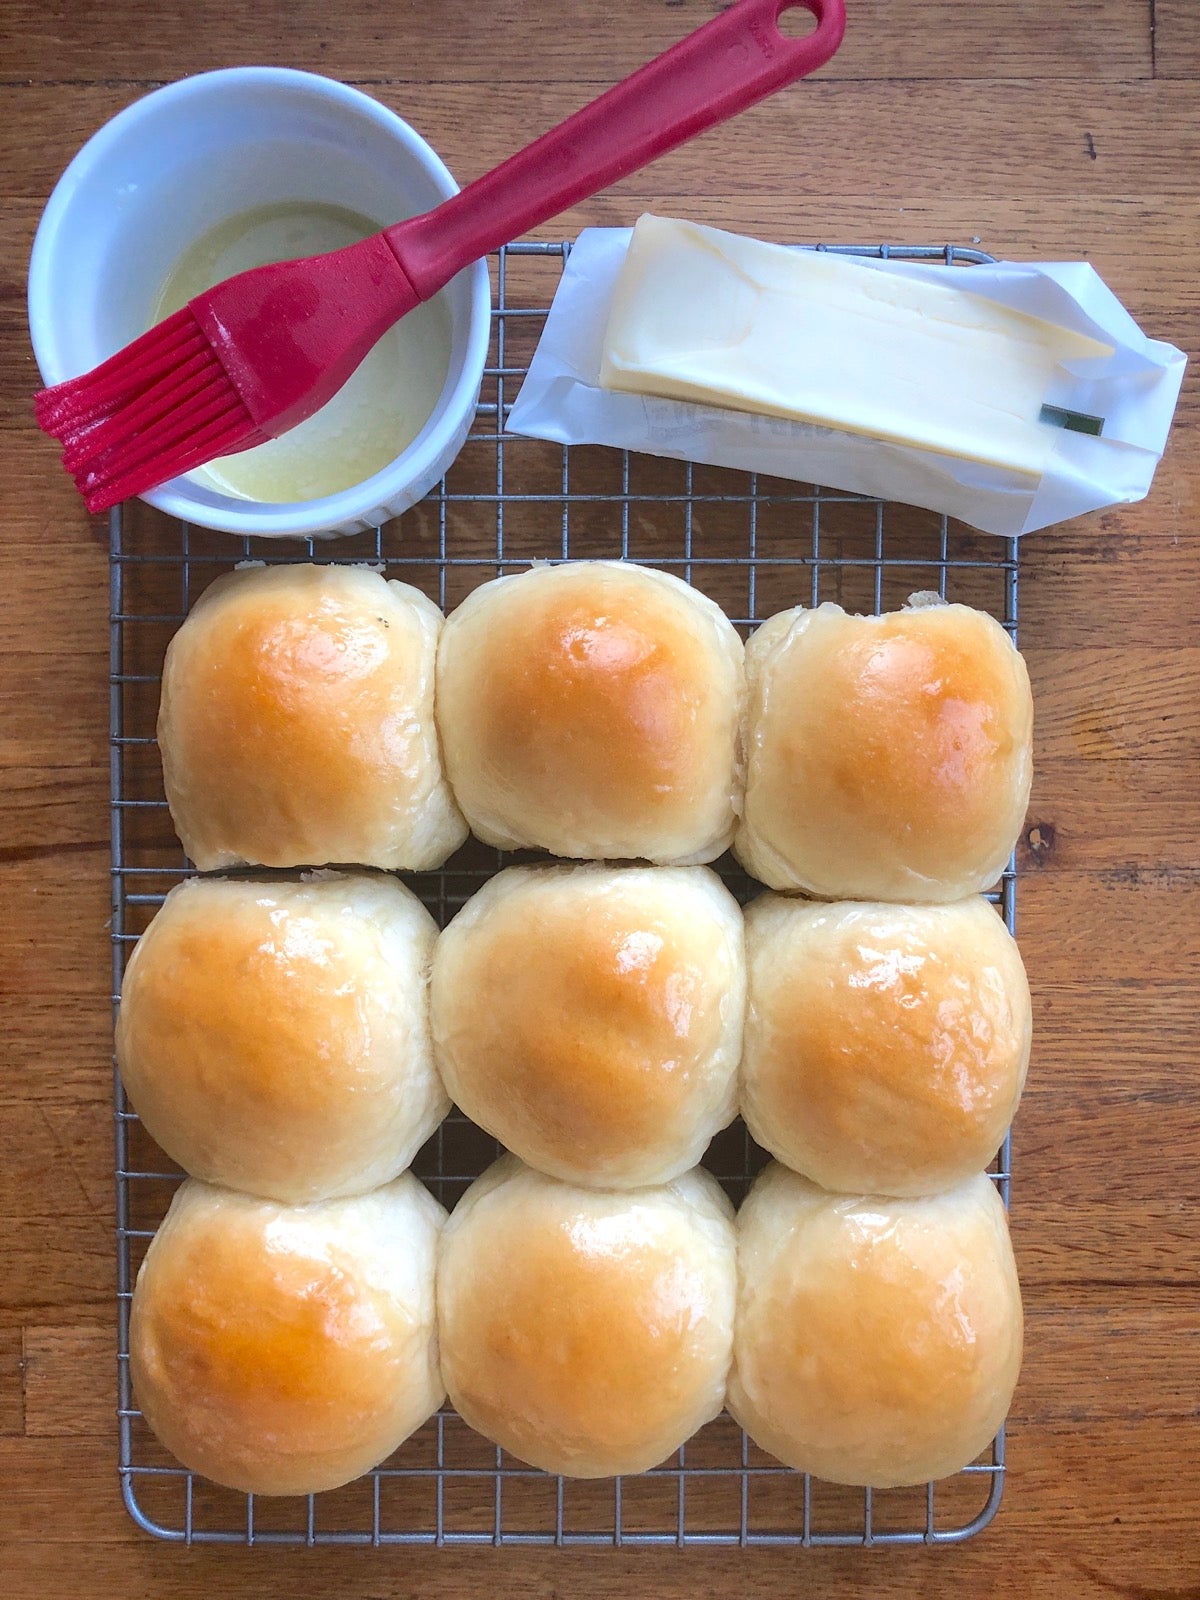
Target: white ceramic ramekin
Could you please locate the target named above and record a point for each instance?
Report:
(181, 160)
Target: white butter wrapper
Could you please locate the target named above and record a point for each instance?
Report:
(1135, 391)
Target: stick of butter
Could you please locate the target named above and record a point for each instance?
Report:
(700, 314)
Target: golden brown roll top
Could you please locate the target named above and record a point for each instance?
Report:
(889, 757)
(297, 723)
(594, 709)
(286, 1350)
(886, 1046)
(878, 1340)
(275, 1036)
(588, 1332)
(591, 1017)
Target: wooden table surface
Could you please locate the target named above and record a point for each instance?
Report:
(1035, 128)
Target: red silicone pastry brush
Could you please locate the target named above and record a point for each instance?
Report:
(257, 354)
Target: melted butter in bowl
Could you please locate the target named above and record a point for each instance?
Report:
(374, 416)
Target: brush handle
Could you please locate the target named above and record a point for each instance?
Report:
(723, 67)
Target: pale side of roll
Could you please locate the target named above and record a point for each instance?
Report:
(274, 1036)
(878, 1340)
(284, 1350)
(594, 709)
(590, 1017)
(587, 1332)
(886, 1046)
(297, 725)
(888, 758)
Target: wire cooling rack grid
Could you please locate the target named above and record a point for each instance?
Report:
(755, 545)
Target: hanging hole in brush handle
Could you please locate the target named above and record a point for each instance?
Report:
(736, 59)
(796, 20)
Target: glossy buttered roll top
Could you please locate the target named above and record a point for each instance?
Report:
(878, 1340)
(274, 1036)
(285, 1350)
(889, 757)
(588, 1332)
(594, 709)
(886, 1046)
(297, 727)
(590, 1017)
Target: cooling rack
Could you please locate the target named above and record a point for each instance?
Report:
(756, 545)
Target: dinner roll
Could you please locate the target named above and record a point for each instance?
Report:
(889, 757)
(586, 1331)
(594, 709)
(886, 1046)
(878, 1341)
(283, 1350)
(275, 1036)
(296, 723)
(590, 1017)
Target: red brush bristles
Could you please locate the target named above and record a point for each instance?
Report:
(105, 484)
(156, 414)
(75, 404)
(161, 406)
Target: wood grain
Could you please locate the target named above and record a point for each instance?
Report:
(1008, 137)
(68, 1379)
(588, 46)
(1033, 130)
(12, 1383)
(1177, 39)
